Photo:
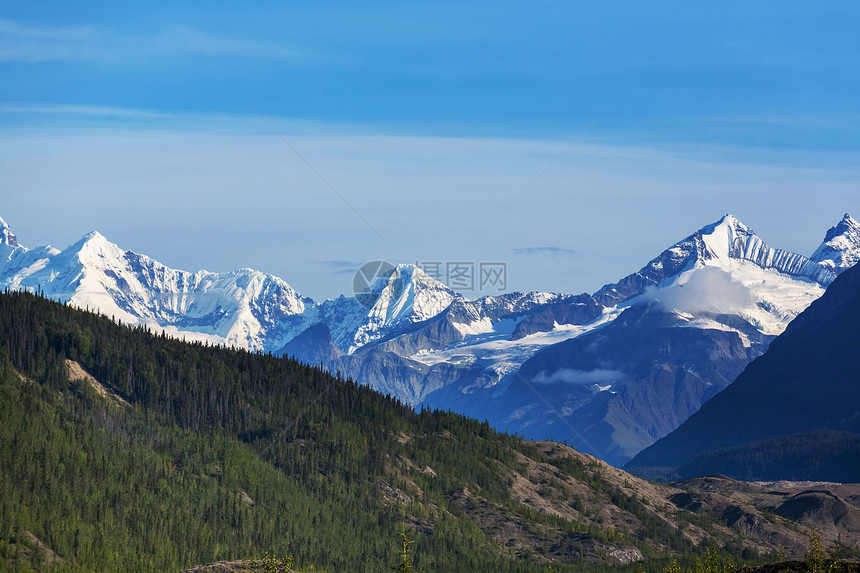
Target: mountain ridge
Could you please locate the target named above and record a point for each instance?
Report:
(425, 343)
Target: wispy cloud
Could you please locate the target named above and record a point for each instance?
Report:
(341, 267)
(84, 110)
(552, 251)
(188, 40)
(580, 377)
(21, 30)
(24, 42)
(708, 290)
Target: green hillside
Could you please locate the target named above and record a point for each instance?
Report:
(125, 451)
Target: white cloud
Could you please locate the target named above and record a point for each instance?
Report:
(188, 40)
(599, 376)
(22, 42)
(85, 110)
(708, 289)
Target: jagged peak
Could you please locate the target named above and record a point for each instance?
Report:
(94, 238)
(847, 227)
(721, 238)
(841, 246)
(415, 273)
(7, 237)
(727, 221)
(94, 243)
(844, 226)
(718, 244)
(404, 275)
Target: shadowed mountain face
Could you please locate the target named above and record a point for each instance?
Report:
(313, 346)
(824, 455)
(807, 381)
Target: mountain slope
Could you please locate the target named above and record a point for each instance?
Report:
(220, 454)
(820, 456)
(806, 381)
(613, 391)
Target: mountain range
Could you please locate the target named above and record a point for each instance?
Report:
(608, 372)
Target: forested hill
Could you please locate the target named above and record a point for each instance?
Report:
(125, 451)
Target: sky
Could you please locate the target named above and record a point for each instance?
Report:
(572, 141)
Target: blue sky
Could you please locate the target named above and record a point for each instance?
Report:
(422, 123)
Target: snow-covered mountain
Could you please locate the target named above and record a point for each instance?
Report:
(727, 244)
(483, 342)
(244, 308)
(841, 247)
(668, 337)
(518, 359)
(405, 297)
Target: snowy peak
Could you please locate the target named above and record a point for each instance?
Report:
(841, 247)
(730, 239)
(713, 245)
(423, 296)
(406, 295)
(846, 226)
(6, 236)
(725, 244)
(18, 260)
(726, 238)
(93, 237)
(96, 251)
(243, 308)
(10, 249)
(396, 299)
